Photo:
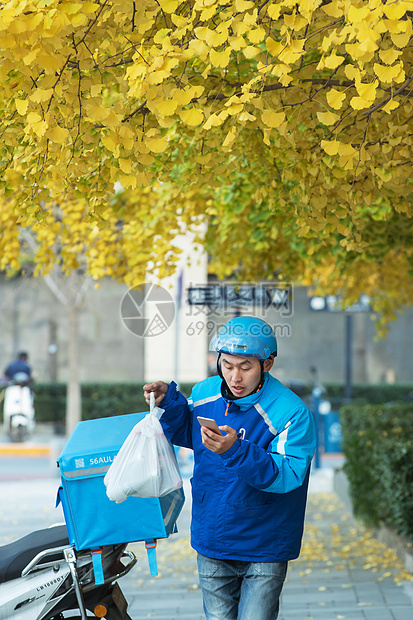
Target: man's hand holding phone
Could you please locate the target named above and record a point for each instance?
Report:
(212, 437)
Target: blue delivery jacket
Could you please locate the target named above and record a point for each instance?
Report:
(249, 502)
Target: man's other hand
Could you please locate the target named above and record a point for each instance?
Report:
(159, 388)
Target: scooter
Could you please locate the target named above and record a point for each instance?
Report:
(18, 409)
(43, 577)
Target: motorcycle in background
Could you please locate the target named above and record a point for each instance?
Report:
(18, 408)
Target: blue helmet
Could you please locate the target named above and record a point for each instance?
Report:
(245, 336)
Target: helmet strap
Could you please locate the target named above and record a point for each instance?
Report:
(219, 366)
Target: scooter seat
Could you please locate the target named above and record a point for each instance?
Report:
(15, 556)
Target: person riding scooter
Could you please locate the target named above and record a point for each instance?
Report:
(18, 409)
(19, 367)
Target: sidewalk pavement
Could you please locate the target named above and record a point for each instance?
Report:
(343, 572)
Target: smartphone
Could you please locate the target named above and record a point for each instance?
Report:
(209, 423)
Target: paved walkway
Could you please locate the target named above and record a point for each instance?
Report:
(343, 572)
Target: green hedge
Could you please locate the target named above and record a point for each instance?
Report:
(105, 399)
(378, 446)
(371, 393)
(99, 400)
(362, 393)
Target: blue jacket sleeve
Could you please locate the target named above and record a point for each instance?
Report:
(283, 467)
(177, 419)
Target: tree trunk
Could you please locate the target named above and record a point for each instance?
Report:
(73, 408)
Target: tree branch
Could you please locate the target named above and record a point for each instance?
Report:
(29, 239)
(93, 22)
(392, 96)
(361, 146)
(138, 109)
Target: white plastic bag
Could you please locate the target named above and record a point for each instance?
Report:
(146, 465)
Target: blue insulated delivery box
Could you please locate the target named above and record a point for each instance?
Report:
(92, 519)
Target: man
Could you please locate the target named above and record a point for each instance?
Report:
(250, 478)
(20, 367)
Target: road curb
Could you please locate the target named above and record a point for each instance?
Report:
(29, 451)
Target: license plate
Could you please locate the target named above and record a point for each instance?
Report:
(119, 599)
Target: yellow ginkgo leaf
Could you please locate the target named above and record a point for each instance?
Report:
(352, 72)
(327, 118)
(357, 15)
(390, 106)
(212, 37)
(161, 35)
(30, 58)
(33, 117)
(127, 181)
(184, 96)
(213, 121)
(156, 145)
(207, 13)
(21, 106)
(96, 112)
(220, 59)
(389, 56)
(72, 7)
(330, 147)
(235, 109)
(293, 52)
(237, 43)
(192, 117)
(395, 10)
(89, 7)
(39, 128)
(200, 48)
(246, 116)
(57, 134)
(217, 37)
(79, 19)
(274, 47)
(256, 35)
(231, 135)
(250, 19)
(274, 11)
(286, 80)
(333, 61)
(166, 107)
(109, 143)
(358, 103)
(335, 98)
(169, 6)
(40, 95)
(125, 165)
(251, 51)
(243, 5)
(400, 40)
(389, 74)
(179, 21)
(49, 63)
(95, 90)
(367, 91)
(272, 119)
(346, 149)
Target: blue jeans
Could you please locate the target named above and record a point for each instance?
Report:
(236, 590)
